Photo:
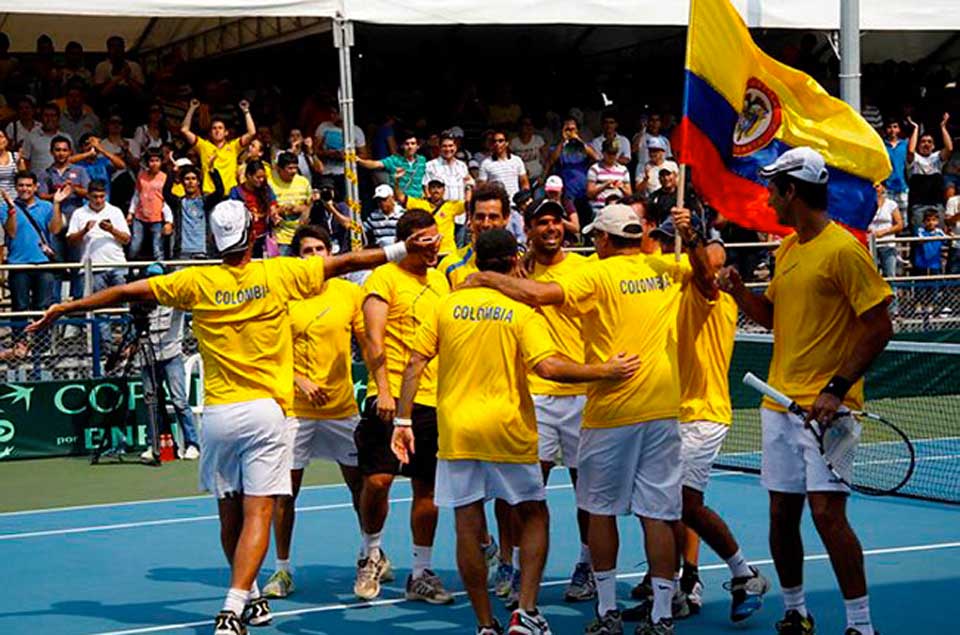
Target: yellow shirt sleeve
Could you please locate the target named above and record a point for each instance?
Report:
(535, 341)
(175, 289)
(357, 323)
(580, 290)
(426, 342)
(379, 284)
(859, 279)
(299, 277)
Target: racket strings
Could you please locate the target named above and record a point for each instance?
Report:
(874, 457)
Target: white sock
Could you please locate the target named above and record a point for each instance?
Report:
(858, 615)
(676, 581)
(585, 554)
(738, 565)
(516, 558)
(606, 591)
(371, 545)
(662, 596)
(235, 601)
(283, 565)
(421, 560)
(254, 591)
(794, 599)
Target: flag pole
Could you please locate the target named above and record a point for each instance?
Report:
(682, 176)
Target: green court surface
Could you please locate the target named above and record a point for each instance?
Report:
(65, 482)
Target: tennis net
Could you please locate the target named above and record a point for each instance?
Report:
(915, 385)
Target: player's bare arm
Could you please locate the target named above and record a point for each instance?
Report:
(558, 368)
(138, 291)
(529, 292)
(334, 266)
(757, 307)
(878, 329)
(402, 441)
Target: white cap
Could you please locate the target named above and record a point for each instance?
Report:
(656, 143)
(805, 164)
(456, 132)
(617, 219)
(182, 162)
(382, 191)
(553, 183)
(229, 223)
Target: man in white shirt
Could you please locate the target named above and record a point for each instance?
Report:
(658, 161)
(18, 129)
(504, 168)
(529, 146)
(101, 230)
(117, 76)
(650, 130)
(451, 170)
(36, 147)
(610, 132)
(924, 167)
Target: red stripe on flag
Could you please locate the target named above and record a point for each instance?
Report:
(740, 200)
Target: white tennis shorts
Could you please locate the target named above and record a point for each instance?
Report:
(633, 469)
(243, 449)
(700, 444)
(558, 427)
(330, 439)
(792, 462)
(463, 482)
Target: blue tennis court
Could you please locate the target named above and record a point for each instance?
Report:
(156, 567)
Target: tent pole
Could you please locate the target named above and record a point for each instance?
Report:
(343, 40)
(850, 52)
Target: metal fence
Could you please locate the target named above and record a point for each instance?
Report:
(78, 347)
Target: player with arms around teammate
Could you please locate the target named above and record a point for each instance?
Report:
(241, 322)
(486, 344)
(629, 453)
(324, 416)
(559, 406)
(490, 209)
(827, 307)
(398, 296)
(706, 327)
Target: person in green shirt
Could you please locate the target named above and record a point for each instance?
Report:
(413, 166)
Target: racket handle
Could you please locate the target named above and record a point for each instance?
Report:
(766, 389)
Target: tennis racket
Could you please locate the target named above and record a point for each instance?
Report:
(863, 450)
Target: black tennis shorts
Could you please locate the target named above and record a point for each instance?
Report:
(373, 437)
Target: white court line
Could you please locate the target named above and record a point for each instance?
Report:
(188, 519)
(151, 501)
(193, 519)
(326, 608)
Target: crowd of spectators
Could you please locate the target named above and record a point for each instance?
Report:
(104, 163)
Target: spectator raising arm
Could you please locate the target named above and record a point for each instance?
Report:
(251, 132)
(947, 149)
(187, 119)
(914, 138)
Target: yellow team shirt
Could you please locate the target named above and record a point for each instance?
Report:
(322, 327)
(819, 289)
(410, 298)
(297, 192)
(223, 160)
(242, 325)
(445, 215)
(705, 336)
(459, 265)
(485, 343)
(564, 329)
(629, 304)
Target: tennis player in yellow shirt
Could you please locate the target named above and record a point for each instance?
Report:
(706, 327)
(629, 454)
(324, 416)
(397, 297)
(242, 325)
(490, 209)
(486, 344)
(559, 406)
(827, 307)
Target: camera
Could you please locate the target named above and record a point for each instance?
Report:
(326, 194)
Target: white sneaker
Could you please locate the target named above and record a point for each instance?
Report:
(192, 453)
(147, 455)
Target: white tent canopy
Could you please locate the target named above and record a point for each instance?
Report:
(155, 23)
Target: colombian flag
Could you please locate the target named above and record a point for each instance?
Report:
(742, 109)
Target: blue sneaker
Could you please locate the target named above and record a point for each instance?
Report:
(747, 595)
(583, 586)
(503, 580)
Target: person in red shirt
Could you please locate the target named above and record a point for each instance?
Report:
(146, 217)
